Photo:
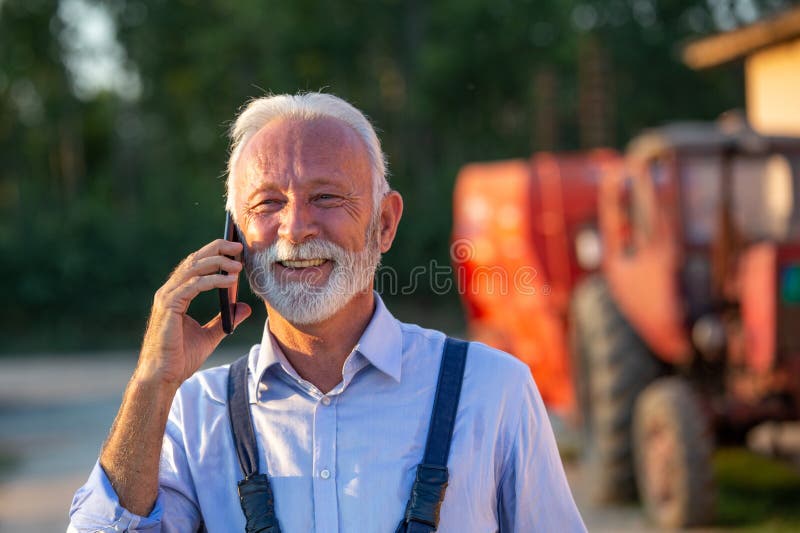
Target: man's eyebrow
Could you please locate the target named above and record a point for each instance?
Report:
(343, 187)
(340, 185)
(327, 181)
(261, 189)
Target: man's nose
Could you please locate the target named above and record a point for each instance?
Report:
(297, 222)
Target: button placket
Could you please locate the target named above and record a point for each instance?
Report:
(324, 467)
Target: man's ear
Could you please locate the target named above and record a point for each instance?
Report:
(391, 211)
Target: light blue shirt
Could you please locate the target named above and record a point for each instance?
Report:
(345, 461)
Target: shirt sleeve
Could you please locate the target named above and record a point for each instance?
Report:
(96, 508)
(533, 492)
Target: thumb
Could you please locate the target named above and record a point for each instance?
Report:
(213, 328)
(241, 314)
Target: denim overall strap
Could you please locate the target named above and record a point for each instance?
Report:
(255, 493)
(427, 493)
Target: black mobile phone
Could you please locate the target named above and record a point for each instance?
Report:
(227, 297)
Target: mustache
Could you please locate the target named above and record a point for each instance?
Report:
(315, 249)
(282, 250)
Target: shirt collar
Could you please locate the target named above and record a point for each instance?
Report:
(263, 357)
(382, 341)
(381, 344)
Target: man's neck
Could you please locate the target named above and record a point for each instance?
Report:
(318, 351)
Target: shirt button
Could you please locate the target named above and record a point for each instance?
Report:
(325, 400)
(325, 474)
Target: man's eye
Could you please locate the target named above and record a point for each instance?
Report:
(267, 205)
(327, 198)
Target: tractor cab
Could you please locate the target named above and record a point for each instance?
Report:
(705, 223)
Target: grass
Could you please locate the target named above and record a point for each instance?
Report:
(8, 461)
(756, 493)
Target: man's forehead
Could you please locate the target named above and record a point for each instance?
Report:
(307, 149)
(321, 138)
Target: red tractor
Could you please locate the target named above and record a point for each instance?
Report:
(655, 297)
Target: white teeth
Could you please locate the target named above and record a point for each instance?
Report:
(303, 264)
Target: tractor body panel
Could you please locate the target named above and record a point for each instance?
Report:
(515, 223)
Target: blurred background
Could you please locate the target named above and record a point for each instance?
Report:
(113, 142)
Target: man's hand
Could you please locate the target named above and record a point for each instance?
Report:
(175, 345)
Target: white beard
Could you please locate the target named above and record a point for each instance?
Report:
(304, 302)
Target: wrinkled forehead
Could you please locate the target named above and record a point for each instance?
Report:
(303, 149)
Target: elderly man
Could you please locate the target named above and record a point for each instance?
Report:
(327, 419)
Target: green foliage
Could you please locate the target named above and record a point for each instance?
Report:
(756, 493)
(101, 196)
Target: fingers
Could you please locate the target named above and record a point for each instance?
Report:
(219, 247)
(199, 272)
(204, 261)
(182, 296)
(206, 256)
(211, 265)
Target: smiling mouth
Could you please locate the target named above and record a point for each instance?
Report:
(306, 263)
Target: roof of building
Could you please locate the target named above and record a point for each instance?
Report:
(729, 132)
(731, 45)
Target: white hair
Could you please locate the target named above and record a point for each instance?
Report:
(306, 106)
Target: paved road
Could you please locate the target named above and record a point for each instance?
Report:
(56, 411)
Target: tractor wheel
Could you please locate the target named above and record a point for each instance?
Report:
(672, 447)
(580, 376)
(614, 367)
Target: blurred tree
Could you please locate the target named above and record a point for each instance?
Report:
(113, 116)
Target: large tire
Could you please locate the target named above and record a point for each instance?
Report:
(672, 449)
(614, 366)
